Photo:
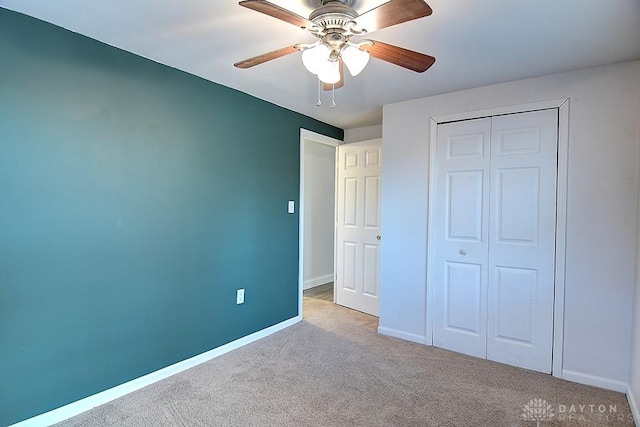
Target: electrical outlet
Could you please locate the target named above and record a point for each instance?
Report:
(240, 296)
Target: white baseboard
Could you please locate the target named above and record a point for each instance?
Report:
(402, 335)
(634, 404)
(317, 281)
(90, 402)
(595, 381)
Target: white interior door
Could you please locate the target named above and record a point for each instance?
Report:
(522, 239)
(358, 226)
(495, 215)
(463, 168)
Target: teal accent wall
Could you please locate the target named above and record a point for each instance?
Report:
(134, 200)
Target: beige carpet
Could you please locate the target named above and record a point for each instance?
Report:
(333, 369)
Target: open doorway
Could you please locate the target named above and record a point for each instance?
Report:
(317, 216)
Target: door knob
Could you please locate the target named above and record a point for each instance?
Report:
(378, 237)
(463, 252)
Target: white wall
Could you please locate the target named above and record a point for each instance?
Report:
(604, 140)
(319, 213)
(634, 383)
(362, 134)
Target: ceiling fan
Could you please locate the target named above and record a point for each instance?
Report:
(333, 23)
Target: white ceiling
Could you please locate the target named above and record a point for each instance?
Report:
(475, 42)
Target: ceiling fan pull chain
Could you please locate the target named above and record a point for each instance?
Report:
(319, 103)
(333, 96)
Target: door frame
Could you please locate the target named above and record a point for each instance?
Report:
(562, 105)
(310, 137)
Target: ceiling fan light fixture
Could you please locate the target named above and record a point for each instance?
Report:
(333, 23)
(330, 72)
(315, 58)
(355, 59)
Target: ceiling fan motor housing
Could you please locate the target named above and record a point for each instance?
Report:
(324, 2)
(335, 20)
(333, 14)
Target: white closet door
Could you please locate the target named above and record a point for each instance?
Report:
(494, 243)
(461, 255)
(522, 239)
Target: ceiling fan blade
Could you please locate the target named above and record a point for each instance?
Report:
(257, 60)
(340, 83)
(276, 11)
(391, 13)
(415, 61)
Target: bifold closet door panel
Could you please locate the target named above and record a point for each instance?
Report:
(461, 255)
(522, 231)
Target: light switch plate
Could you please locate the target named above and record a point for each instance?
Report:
(292, 207)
